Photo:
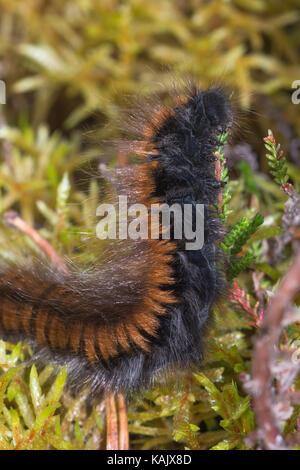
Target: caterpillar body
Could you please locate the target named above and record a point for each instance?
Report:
(123, 323)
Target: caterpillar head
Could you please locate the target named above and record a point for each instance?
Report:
(216, 109)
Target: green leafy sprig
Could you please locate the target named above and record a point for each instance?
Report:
(236, 239)
(222, 176)
(276, 160)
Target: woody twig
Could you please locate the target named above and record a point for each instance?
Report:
(112, 437)
(123, 424)
(13, 220)
(264, 353)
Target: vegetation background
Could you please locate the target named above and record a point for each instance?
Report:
(70, 67)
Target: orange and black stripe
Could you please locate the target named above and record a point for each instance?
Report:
(50, 327)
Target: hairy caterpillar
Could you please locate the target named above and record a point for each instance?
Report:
(121, 324)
